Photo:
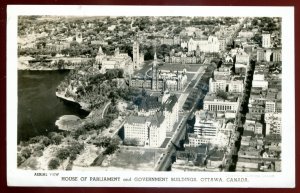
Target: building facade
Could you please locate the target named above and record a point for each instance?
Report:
(116, 61)
(273, 123)
(138, 58)
(210, 45)
(266, 40)
(212, 103)
(147, 131)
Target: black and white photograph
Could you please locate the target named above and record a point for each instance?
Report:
(192, 99)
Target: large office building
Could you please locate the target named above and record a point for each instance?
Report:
(230, 86)
(266, 40)
(172, 81)
(170, 110)
(209, 129)
(148, 131)
(209, 45)
(155, 117)
(214, 103)
(270, 106)
(273, 123)
(259, 80)
(116, 61)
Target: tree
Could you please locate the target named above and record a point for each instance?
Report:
(53, 164)
(63, 154)
(103, 141)
(133, 142)
(83, 130)
(60, 64)
(26, 152)
(20, 159)
(111, 148)
(45, 141)
(57, 139)
(53, 53)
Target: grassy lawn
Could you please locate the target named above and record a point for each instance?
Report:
(180, 67)
(135, 158)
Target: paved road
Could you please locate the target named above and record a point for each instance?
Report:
(104, 110)
(180, 131)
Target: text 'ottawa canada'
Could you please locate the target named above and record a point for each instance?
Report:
(149, 93)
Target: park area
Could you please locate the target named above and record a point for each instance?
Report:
(133, 158)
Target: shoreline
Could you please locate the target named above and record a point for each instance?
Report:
(68, 122)
(26, 68)
(83, 106)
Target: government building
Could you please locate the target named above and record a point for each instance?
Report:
(214, 103)
(160, 81)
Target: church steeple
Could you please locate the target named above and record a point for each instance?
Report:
(100, 52)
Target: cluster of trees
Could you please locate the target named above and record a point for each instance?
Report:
(269, 24)
(131, 142)
(35, 52)
(34, 146)
(71, 151)
(110, 144)
(193, 98)
(161, 50)
(214, 22)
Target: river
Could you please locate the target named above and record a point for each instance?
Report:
(38, 106)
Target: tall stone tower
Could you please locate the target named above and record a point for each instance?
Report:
(100, 56)
(154, 73)
(266, 40)
(136, 55)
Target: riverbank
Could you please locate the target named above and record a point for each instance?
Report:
(42, 68)
(68, 122)
(83, 106)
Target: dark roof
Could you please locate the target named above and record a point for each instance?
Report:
(136, 119)
(157, 118)
(169, 104)
(149, 102)
(248, 133)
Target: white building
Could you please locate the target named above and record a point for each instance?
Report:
(213, 103)
(138, 58)
(209, 45)
(116, 61)
(230, 86)
(242, 59)
(147, 131)
(170, 111)
(270, 107)
(236, 86)
(217, 85)
(259, 81)
(268, 54)
(222, 71)
(208, 129)
(273, 123)
(266, 40)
